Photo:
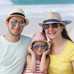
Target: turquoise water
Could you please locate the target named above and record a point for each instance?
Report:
(42, 1)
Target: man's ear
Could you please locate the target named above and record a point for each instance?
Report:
(6, 22)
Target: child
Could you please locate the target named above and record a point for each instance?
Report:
(38, 57)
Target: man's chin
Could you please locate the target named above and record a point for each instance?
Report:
(15, 34)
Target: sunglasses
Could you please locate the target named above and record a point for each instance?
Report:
(14, 23)
(36, 46)
(53, 25)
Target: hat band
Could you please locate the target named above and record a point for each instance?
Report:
(51, 20)
(18, 14)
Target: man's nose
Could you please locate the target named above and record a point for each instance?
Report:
(17, 25)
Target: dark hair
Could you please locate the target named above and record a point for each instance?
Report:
(65, 35)
(43, 33)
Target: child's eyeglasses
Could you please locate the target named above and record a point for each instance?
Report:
(40, 46)
(53, 25)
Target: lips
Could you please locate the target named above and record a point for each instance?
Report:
(52, 33)
(16, 30)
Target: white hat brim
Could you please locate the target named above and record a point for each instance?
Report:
(61, 22)
(27, 22)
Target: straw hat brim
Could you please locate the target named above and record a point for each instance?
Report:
(27, 22)
(65, 22)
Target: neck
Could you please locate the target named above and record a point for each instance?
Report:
(58, 44)
(12, 38)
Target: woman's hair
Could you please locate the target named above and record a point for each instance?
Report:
(43, 33)
(65, 35)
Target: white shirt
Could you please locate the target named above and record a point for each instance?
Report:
(13, 55)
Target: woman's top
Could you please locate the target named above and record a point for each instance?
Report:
(62, 63)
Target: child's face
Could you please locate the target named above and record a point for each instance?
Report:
(39, 47)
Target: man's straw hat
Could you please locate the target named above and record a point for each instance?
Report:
(17, 12)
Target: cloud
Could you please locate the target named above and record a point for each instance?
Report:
(5, 2)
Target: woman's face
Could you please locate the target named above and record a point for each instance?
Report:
(53, 31)
(39, 48)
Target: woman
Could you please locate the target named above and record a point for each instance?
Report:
(37, 58)
(62, 51)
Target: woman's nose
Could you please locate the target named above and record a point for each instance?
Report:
(50, 29)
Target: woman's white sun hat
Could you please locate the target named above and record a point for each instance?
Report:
(55, 17)
(17, 12)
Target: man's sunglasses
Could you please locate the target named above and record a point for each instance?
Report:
(14, 23)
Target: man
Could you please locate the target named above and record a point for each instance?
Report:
(13, 46)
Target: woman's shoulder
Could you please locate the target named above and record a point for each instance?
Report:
(69, 45)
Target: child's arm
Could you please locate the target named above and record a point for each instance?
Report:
(30, 67)
(44, 63)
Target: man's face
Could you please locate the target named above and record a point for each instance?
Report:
(15, 25)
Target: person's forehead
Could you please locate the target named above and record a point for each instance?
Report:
(17, 17)
(40, 42)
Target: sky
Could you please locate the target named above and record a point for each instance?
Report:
(5, 2)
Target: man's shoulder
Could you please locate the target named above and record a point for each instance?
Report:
(26, 37)
(1, 37)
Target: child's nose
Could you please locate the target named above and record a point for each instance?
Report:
(39, 49)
